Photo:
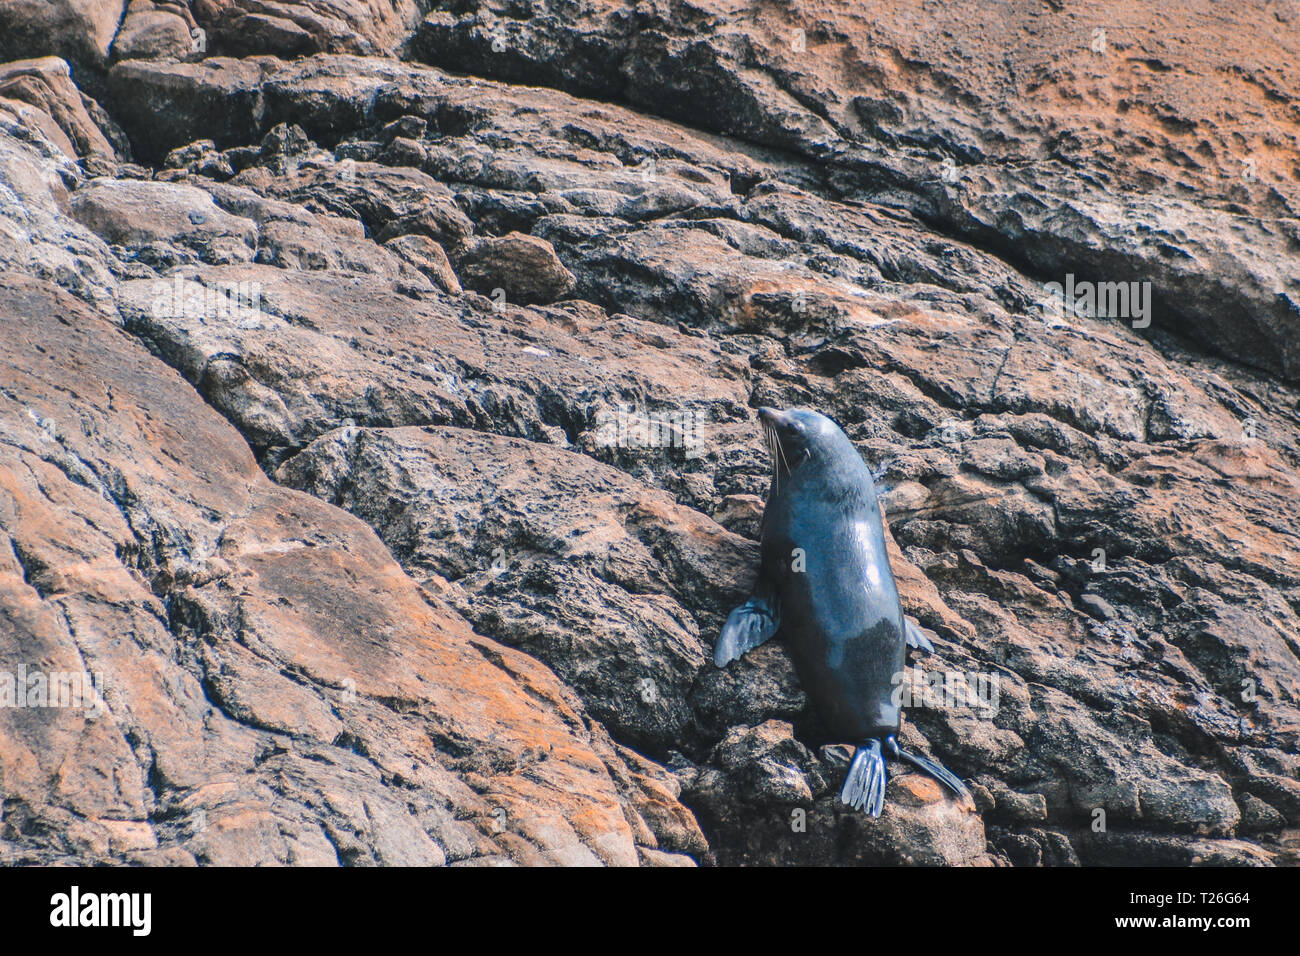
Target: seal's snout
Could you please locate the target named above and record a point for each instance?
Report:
(774, 418)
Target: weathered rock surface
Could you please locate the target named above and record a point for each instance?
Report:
(381, 565)
(152, 30)
(525, 268)
(46, 85)
(76, 30)
(294, 27)
(1121, 145)
(274, 688)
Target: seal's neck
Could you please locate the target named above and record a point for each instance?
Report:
(835, 475)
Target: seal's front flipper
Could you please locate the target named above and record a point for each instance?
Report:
(747, 627)
(864, 787)
(936, 770)
(915, 636)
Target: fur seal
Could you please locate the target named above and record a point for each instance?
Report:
(825, 584)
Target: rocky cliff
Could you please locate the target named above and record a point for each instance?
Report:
(376, 424)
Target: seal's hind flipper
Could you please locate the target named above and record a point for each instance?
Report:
(915, 636)
(927, 766)
(864, 787)
(747, 627)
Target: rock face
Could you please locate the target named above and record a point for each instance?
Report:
(41, 93)
(274, 688)
(380, 438)
(76, 30)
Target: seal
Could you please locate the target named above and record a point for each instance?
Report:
(825, 584)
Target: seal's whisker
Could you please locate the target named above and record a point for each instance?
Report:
(774, 449)
(780, 451)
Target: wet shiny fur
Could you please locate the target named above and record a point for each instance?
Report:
(826, 586)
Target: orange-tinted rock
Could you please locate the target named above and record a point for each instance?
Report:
(274, 686)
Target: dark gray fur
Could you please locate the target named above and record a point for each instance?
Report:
(840, 615)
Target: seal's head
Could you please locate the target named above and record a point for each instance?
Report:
(793, 435)
(803, 441)
(798, 435)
